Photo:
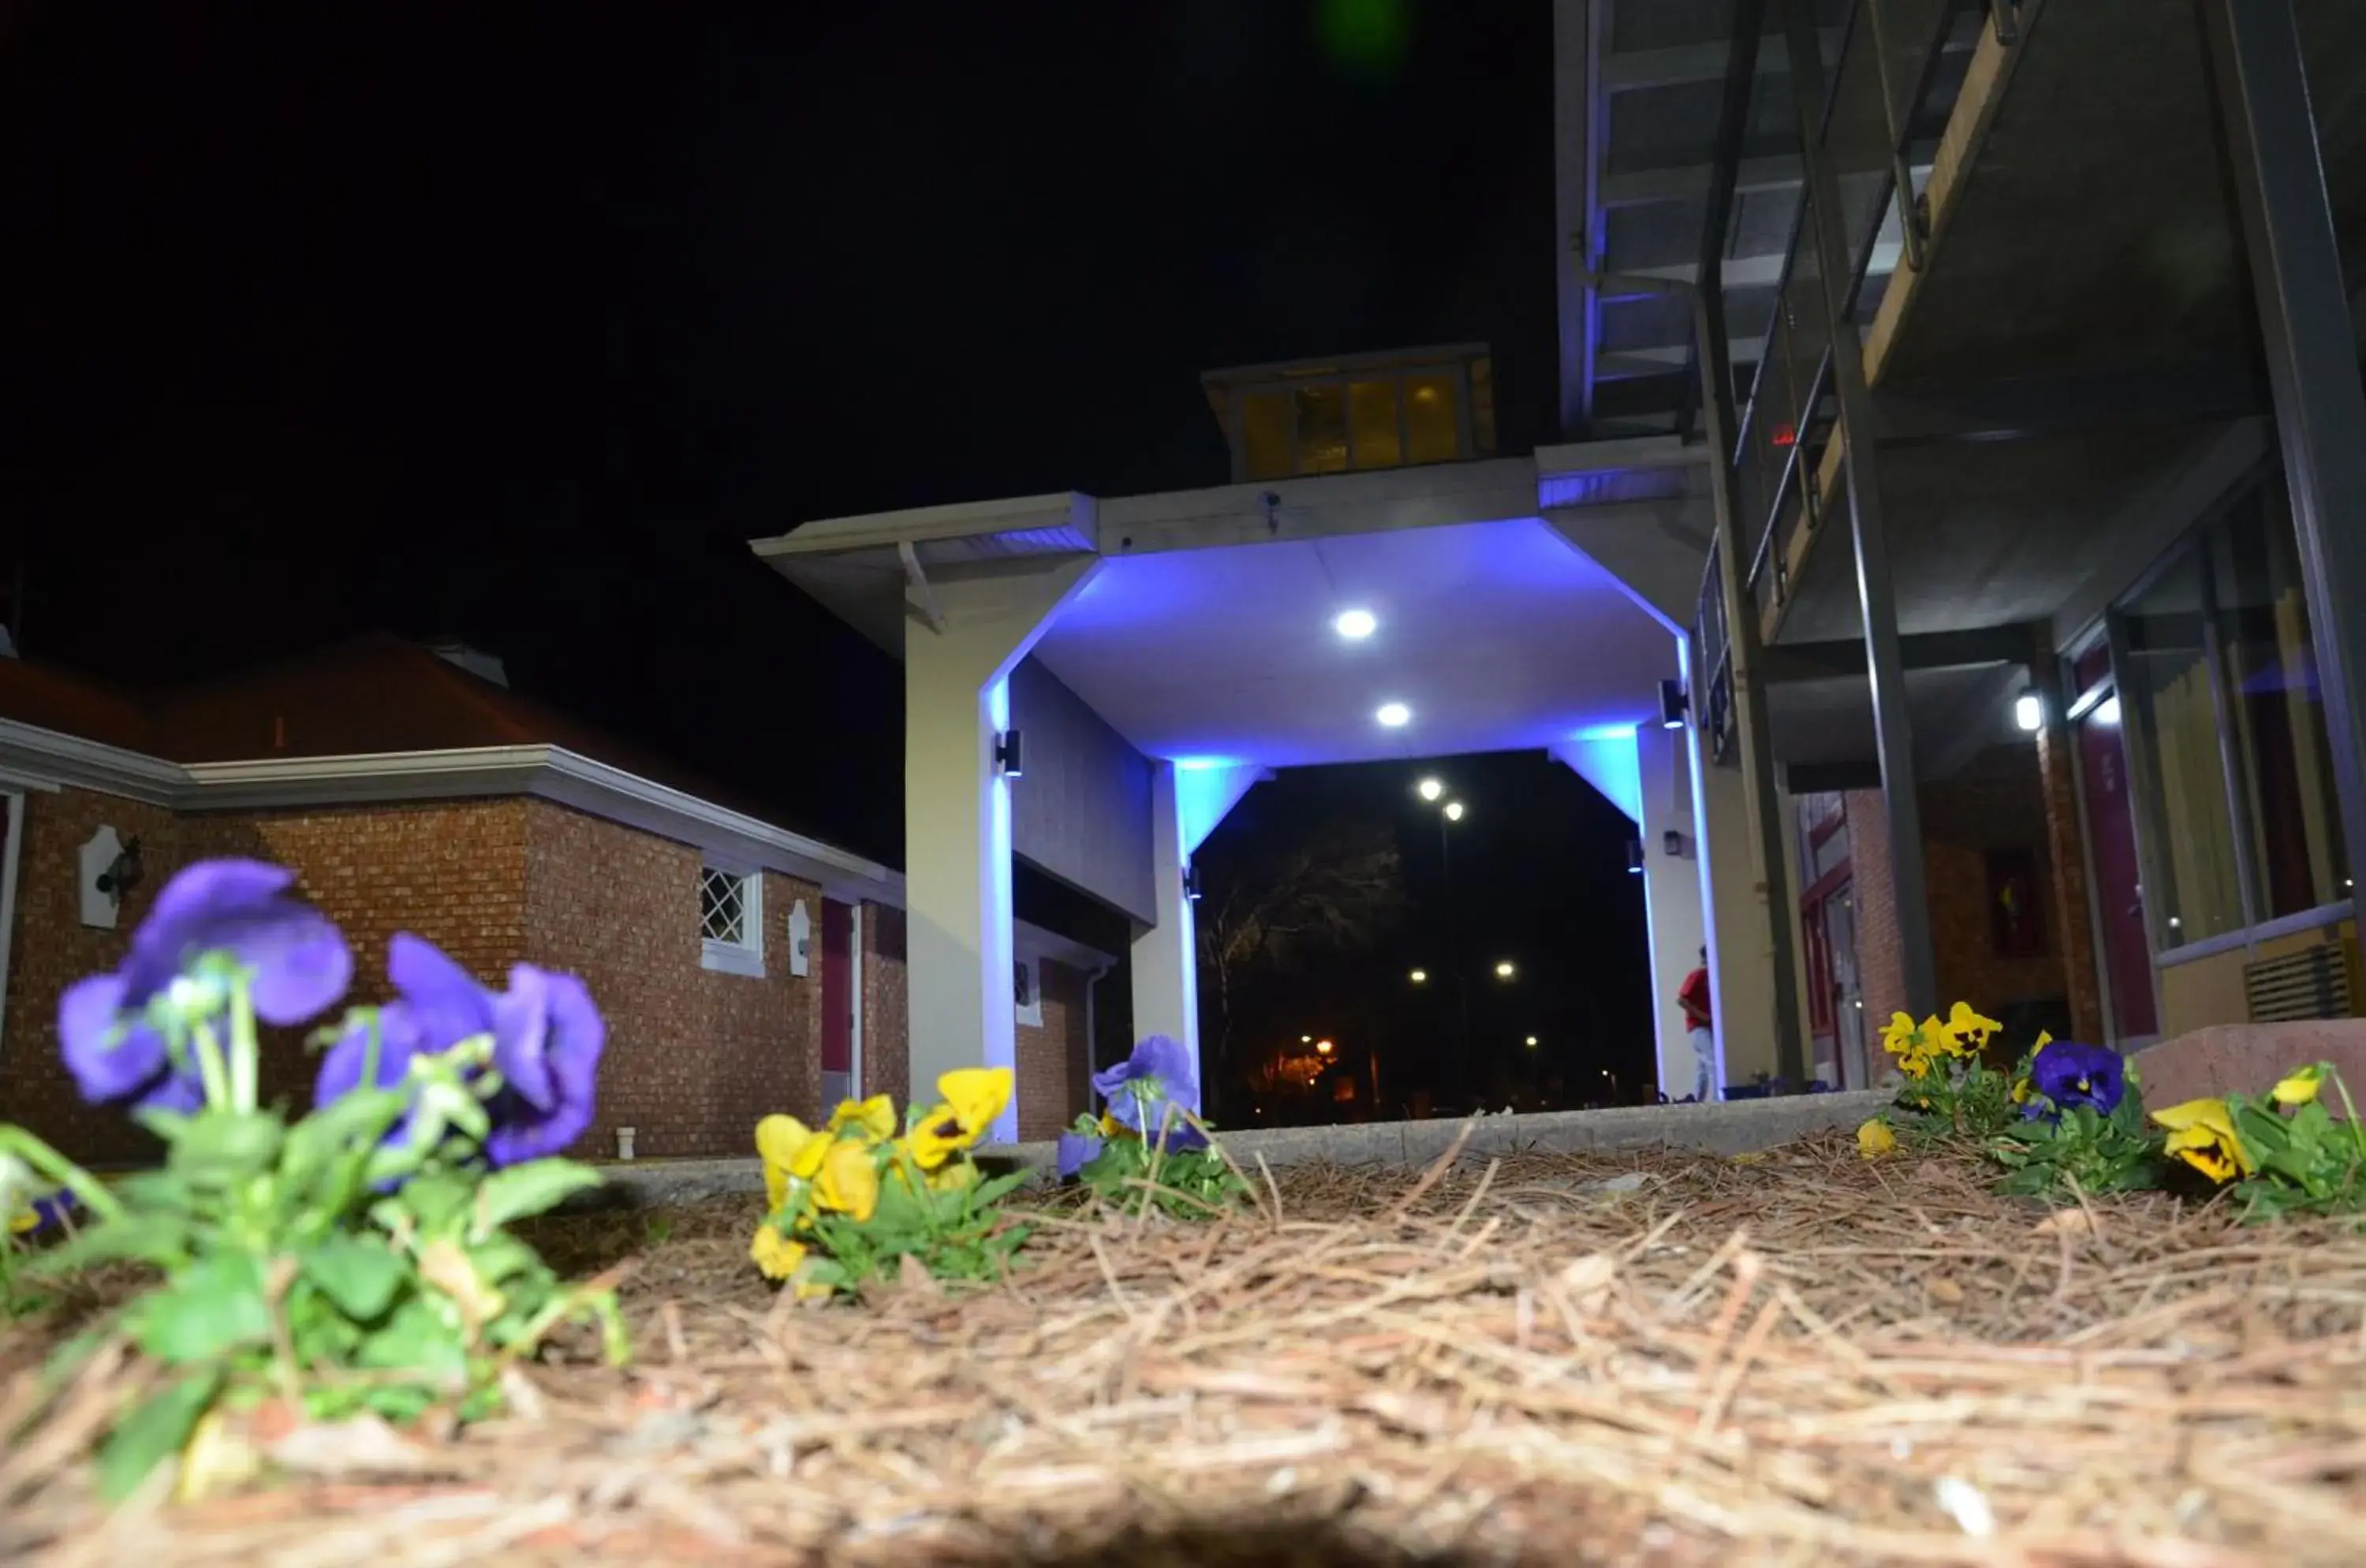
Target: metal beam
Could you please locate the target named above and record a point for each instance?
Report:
(1925, 650)
(2304, 323)
(1690, 181)
(2039, 405)
(1636, 69)
(1876, 596)
(1761, 271)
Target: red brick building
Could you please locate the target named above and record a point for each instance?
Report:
(743, 968)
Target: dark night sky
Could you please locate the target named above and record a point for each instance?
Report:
(515, 320)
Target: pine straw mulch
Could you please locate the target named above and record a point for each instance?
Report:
(1806, 1358)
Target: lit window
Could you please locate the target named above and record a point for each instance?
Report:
(1433, 420)
(2172, 713)
(1322, 430)
(731, 922)
(1264, 435)
(1372, 416)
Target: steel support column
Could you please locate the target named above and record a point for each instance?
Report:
(1876, 600)
(1745, 660)
(2296, 264)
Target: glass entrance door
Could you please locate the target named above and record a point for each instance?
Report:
(2119, 890)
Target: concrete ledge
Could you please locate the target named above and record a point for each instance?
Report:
(1734, 1127)
(2247, 1058)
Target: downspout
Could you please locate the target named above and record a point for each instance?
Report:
(1092, 1022)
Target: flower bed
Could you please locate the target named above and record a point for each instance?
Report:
(1801, 1357)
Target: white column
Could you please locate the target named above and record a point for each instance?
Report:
(1643, 771)
(1671, 892)
(959, 964)
(1166, 957)
(1733, 906)
(1187, 803)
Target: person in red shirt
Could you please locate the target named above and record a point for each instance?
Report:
(1692, 997)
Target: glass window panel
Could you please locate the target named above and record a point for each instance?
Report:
(1372, 410)
(2168, 709)
(1322, 430)
(2275, 707)
(1433, 420)
(1264, 435)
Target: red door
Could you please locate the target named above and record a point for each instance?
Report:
(2119, 892)
(837, 1003)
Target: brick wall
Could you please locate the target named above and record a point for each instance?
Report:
(1055, 1066)
(51, 948)
(886, 1015)
(694, 1056)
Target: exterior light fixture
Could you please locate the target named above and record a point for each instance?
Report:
(1504, 971)
(1006, 754)
(1323, 1047)
(1356, 625)
(1395, 716)
(1634, 857)
(1532, 1042)
(1420, 977)
(1673, 704)
(1191, 883)
(1306, 1040)
(1454, 811)
(2029, 712)
(1429, 789)
(2107, 712)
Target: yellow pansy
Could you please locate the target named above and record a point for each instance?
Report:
(1899, 1037)
(2299, 1088)
(849, 1181)
(936, 1138)
(1874, 1139)
(874, 1118)
(976, 1096)
(2202, 1133)
(775, 1254)
(790, 1150)
(1966, 1028)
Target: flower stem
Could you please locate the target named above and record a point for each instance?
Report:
(244, 1049)
(210, 1070)
(2350, 1108)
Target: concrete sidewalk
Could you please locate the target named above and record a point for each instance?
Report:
(1733, 1127)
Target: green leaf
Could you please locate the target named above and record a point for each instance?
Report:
(163, 1240)
(154, 1431)
(220, 1148)
(214, 1305)
(417, 1340)
(985, 1194)
(434, 1198)
(530, 1188)
(360, 1276)
(362, 1117)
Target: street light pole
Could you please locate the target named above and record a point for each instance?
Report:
(1454, 949)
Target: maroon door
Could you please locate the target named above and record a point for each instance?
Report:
(2119, 893)
(837, 1003)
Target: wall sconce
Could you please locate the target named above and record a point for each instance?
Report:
(1191, 883)
(123, 873)
(1672, 842)
(2029, 712)
(1006, 756)
(1634, 857)
(1673, 704)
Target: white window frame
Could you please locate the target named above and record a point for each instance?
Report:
(11, 808)
(746, 957)
(1031, 1014)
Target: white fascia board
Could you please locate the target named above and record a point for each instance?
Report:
(49, 760)
(367, 779)
(927, 524)
(1490, 489)
(595, 788)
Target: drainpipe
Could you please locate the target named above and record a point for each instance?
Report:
(1092, 1025)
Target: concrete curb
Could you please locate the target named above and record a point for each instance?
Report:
(1732, 1127)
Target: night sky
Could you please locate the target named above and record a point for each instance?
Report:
(515, 321)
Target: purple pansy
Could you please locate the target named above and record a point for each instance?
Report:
(296, 961)
(1159, 1073)
(1077, 1150)
(2067, 1073)
(546, 1041)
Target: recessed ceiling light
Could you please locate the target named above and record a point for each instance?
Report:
(1356, 625)
(1394, 714)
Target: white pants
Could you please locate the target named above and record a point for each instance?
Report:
(1704, 1065)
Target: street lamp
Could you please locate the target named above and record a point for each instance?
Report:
(1420, 977)
(1504, 971)
(1323, 1047)
(1532, 1042)
(1454, 811)
(1430, 789)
